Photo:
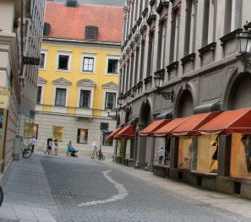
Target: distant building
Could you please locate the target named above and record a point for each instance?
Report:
(79, 74)
(19, 56)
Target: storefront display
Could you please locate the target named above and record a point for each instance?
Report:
(240, 156)
(185, 152)
(207, 154)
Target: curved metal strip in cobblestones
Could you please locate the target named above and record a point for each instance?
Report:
(122, 193)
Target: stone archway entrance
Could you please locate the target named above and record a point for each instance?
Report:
(144, 145)
(185, 104)
(240, 92)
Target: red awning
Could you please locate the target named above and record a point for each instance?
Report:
(113, 133)
(170, 126)
(193, 123)
(155, 125)
(235, 121)
(126, 132)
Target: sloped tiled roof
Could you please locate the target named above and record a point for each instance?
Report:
(70, 22)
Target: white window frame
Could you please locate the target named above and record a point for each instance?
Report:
(106, 68)
(54, 95)
(42, 95)
(104, 97)
(82, 63)
(45, 59)
(91, 99)
(69, 62)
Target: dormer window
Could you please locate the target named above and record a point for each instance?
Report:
(47, 29)
(91, 32)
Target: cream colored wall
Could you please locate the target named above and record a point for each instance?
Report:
(7, 10)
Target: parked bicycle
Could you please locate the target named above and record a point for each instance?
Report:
(27, 151)
(100, 155)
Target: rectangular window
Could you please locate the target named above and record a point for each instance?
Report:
(39, 94)
(60, 99)
(113, 66)
(82, 137)
(58, 133)
(63, 62)
(85, 99)
(104, 126)
(142, 57)
(150, 53)
(110, 100)
(42, 60)
(88, 64)
(161, 44)
(174, 49)
(205, 23)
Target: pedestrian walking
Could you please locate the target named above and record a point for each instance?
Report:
(33, 143)
(55, 147)
(94, 150)
(161, 154)
(49, 146)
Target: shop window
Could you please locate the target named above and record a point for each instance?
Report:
(39, 94)
(185, 152)
(63, 62)
(88, 64)
(30, 130)
(58, 132)
(42, 60)
(110, 100)
(82, 137)
(60, 99)
(85, 99)
(240, 156)
(113, 66)
(205, 157)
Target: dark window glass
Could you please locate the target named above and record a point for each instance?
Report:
(113, 65)
(63, 62)
(85, 98)
(88, 64)
(39, 94)
(42, 60)
(82, 137)
(104, 126)
(60, 97)
(110, 100)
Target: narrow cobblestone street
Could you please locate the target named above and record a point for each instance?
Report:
(49, 189)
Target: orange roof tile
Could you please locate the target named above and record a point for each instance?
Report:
(70, 22)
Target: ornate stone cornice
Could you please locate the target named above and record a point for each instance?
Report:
(62, 82)
(110, 85)
(86, 83)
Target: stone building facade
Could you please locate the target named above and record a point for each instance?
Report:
(181, 57)
(16, 41)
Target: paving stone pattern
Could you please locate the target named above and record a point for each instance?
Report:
(57, 186)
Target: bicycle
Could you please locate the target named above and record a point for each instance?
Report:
(100, 155)
(27, 151)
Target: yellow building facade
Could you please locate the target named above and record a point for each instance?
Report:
(74, 68)
(79, 75)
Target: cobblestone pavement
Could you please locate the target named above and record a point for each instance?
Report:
(49, 189)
